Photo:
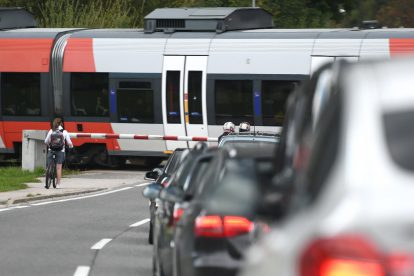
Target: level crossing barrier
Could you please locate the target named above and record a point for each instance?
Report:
(142, 137)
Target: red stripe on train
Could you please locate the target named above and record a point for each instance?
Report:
(2, 134)
(401, 46)
(92, 127)
(25, 54)
(12, 130)
(79, 56)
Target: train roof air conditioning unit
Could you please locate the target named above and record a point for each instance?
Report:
(218, 20)
(14, 18)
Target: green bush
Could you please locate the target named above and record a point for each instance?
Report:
(13, 178)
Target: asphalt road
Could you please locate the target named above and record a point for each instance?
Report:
(86, 236)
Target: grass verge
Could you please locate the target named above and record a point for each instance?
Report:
(14, 178)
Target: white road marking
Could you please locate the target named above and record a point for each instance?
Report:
(100, 244)
(141, 222)
(15, 207)
(72, 199)
(143, 184)
(82, 271)
(21, 207)
(82, 197)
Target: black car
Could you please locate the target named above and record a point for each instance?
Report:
(160, 176)
(166, 215)
(304, 109)
(219, 223)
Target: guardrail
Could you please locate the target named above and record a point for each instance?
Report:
(142, 137)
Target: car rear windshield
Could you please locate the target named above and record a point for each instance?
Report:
(250, 144)
(238, 187)
(174, 162)
(399, 132)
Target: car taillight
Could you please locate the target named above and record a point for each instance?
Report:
(164, 182)
(351, 255)
(234, 226)
(178, 212)
(301, 157)
(400, 264)
(342, 255)
(222, 227)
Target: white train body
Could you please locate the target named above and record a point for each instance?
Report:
(178, 83)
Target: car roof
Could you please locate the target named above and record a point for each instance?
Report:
(268, 137)
(240, 151)
(387, 81)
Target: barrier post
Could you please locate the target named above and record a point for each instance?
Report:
(33, 149)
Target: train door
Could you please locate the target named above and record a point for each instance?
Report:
(183, 94)
(319, 61)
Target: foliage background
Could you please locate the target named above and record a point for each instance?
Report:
(287, 13)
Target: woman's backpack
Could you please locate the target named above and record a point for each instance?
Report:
(57, 141)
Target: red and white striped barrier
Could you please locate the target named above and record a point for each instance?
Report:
(141, 137)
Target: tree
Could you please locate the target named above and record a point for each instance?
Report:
(397, 13)
(286, 13)
(77, 13)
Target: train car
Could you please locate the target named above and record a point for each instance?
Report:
(186, 73)
(26, 100)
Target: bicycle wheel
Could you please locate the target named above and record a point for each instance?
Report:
(54, 174)
(48, 176)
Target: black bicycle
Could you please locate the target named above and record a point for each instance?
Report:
(51, 172)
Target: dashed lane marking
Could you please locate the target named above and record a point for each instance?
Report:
(141, 222)
(100, 244)
(82, 271)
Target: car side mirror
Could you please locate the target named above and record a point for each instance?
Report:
(152, 191)
(153, 175)
(172, 194)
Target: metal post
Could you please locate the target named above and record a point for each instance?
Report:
(253, 3)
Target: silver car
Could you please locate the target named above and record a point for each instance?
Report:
(355, 200)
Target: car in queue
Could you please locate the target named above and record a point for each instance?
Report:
(353, 203)
(160, 176)
(247, 138)
(303, 110)
(164, 214)
(218, 223)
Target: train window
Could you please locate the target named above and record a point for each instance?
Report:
(234, 101)
(135, 84)
(173, 97)
(135, 103)
(89, 94)
(274, 96)
(195, 79)
(20, 94)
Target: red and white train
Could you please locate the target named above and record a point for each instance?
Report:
(186, 73)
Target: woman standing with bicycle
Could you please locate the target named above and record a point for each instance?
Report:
(56, 140)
